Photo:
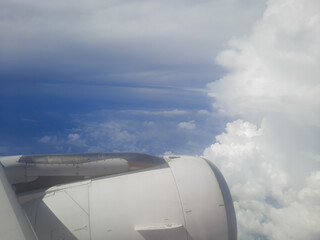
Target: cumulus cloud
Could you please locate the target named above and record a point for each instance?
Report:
(61, 143)
(118, 136)
(269, 203)
(75, 139)
(269, 155)
(147, 130)
(275, 68)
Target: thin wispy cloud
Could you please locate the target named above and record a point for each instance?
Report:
(160, 113)
(54, 140)
(187, 125)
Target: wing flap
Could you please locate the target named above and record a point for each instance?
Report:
(169, 231)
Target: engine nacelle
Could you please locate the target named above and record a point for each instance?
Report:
(114, 196)
(185, 198)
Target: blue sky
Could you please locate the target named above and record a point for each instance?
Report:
(64, 66)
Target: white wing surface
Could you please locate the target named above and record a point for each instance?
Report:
(14, 225)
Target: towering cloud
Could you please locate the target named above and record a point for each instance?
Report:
(270, 155)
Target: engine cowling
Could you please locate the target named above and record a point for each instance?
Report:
(182, 197)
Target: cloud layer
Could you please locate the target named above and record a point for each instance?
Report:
(118, 41)
(270, 155)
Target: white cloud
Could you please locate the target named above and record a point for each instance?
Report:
(53, 140)
(149, 123)
(75, 139)
(268, 203)
(72, 139)
(270, 158)
(45, 139)
(276, 70)
(187, 125)
(117, 136)
(203, 112)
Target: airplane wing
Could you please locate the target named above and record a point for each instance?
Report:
(14, 223)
